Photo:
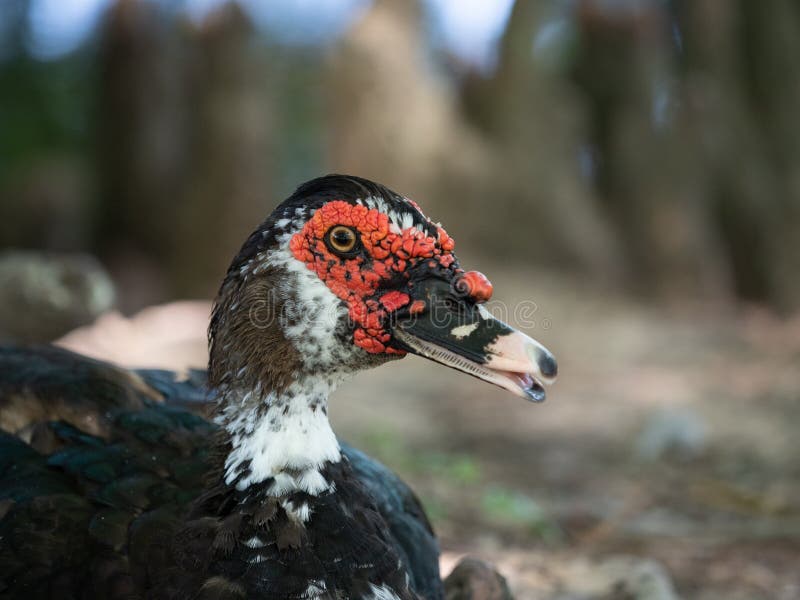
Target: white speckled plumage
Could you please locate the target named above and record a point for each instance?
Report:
(286, 438)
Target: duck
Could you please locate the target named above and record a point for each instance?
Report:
(112, 485)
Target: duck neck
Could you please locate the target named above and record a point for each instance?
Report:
(281, 440)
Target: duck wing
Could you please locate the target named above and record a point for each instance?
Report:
(94, 459)
(86, 450)
(410, 529)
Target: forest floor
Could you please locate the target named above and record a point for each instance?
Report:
(665, 462)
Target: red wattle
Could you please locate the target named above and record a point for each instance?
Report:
(476, 285)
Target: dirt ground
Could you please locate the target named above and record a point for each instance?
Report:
(665, 462)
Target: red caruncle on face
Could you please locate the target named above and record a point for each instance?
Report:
(386, 255)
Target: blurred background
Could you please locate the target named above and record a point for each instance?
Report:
(627, 172)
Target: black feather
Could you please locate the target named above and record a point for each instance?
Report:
(125, 510)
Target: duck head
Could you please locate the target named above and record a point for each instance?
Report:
(345, 275)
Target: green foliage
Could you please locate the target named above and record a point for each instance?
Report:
(458, 474)
(389, 447)
(508, 507)
(45, 108)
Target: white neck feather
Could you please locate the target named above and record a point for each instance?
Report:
(284, 438)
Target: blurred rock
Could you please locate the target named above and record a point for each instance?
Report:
(474, 579)
(677, 433)
(635, 579)
(43, 296)
(615, 578)
(551, 575)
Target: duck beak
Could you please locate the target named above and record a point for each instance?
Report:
(463, 335)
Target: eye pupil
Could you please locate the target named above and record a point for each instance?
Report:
(342, 239)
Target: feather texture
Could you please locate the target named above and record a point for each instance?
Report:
(121, 497)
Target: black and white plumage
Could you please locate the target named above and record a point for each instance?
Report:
(111, 488)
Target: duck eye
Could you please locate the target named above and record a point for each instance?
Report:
(341, 239)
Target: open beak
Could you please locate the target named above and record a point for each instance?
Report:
(463, 335)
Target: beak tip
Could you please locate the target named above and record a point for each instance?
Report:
(544, 361)
(548, 365)
(535, 393)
